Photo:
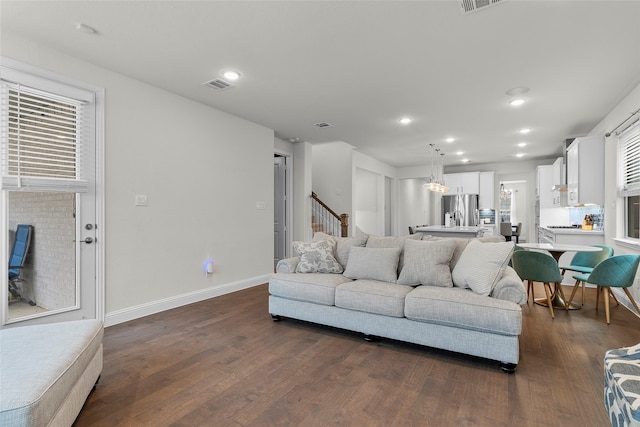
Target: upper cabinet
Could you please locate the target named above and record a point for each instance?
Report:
(544, 182)
(463, 183)
(559, 190)
(585, 171)
(487, 190)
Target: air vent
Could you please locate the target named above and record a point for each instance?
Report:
(470, 6)
(323, 125)
(218, 84)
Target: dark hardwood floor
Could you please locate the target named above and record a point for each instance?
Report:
(224, 362)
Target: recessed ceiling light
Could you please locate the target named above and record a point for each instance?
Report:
(525, 131)
(517, 102)
(405, 120)
(459, 153)
(465, 160)
(520, 155)
(231, 75)
(450, 139)
(522, 144)
(517, 91)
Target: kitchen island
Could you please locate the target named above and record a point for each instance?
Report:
(460, 231)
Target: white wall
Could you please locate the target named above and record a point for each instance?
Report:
(203, 171)
(614, 206)
(332, 180)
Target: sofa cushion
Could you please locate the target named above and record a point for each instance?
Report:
(372, 296)
(317, 257)
(319, 288)
(458, 307)
(427, 263)
(373, 263)
(343, 244)
(481, 265)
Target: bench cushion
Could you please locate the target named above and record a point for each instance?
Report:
(40, 365)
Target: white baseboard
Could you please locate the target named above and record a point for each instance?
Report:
(136, 312)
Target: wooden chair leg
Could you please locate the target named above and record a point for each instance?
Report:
(626, 291)
(613, 296)
(547, 290)
(573, 293)
(606, 305)
(598, 290)
(531, 290)
(582, 303)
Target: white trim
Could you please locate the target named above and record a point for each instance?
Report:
(628, 243)
(136, 312)
(100, 203)
(289, 199)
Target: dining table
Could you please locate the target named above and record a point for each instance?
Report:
(556, 250)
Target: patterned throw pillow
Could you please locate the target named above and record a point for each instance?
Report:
(317, 257)
(481, 266)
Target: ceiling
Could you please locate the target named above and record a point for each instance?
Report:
(362, 65)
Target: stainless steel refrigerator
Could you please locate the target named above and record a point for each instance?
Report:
(460, 209)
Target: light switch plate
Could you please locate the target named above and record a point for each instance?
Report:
(261, 205)
(142, 200)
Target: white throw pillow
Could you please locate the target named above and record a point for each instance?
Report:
(427, 263)
(373, 263)
(481, 265)
(317, 257)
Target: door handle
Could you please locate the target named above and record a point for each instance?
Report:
(87, 240)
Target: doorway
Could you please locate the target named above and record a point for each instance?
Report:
(281, 207)
(51, 182)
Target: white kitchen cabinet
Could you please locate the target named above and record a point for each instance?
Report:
(585, 171)
(544, 175)
(558, 172)
(559, 192)
(487, 190)
(463, 183)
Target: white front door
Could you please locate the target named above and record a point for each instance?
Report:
(50, 173)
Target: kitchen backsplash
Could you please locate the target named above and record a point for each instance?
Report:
(576, 215)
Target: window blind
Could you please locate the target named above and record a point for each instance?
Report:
(42, 140)
(629, 161)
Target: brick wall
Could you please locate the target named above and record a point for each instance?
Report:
(50, 268)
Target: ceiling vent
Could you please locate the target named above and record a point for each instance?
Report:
(218, 84)
(470, 6)
(323, 125)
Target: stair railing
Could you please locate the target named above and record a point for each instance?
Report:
(326, 220)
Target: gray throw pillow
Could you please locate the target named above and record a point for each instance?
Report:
(481, 265)
(373, 263)
(343, 244)
(426, 262)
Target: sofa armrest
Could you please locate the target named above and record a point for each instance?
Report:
(287, 265)
(510, 288)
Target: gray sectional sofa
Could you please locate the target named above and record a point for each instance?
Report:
(448, 293)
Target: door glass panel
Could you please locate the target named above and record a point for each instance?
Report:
(46, 284)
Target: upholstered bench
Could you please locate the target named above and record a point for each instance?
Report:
(622, 386)
(47, 371)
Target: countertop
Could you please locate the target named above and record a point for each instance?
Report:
(574, 231)
(442, 228)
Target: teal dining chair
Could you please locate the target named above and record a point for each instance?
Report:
(584, 262)
(615, 272)
(538, 267)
